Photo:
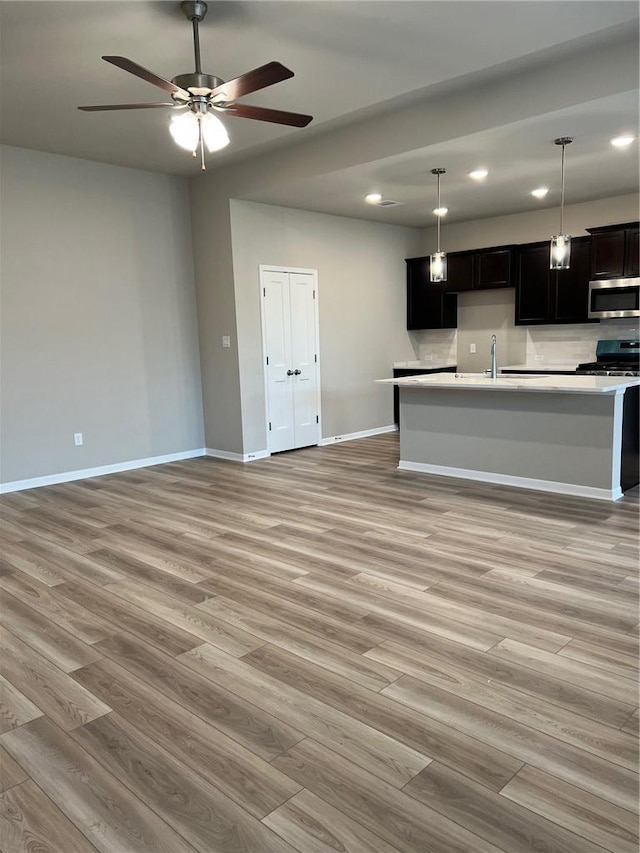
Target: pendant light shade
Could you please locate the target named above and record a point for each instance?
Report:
(438, 266)
(560, 248)
(438, 260)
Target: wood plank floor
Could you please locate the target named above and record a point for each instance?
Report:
(316, 653)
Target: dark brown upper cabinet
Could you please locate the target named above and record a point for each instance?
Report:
(460, 271)
(545, 296)
(532, 284)
(429, 305)
(481, 269)
(632, 252)
(614, 251)
(493, 268)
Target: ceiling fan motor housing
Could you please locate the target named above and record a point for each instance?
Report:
(197, 81)
(194, 10)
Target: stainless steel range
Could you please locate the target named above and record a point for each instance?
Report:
(614, 358)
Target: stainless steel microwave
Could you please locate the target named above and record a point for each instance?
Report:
(616, 297)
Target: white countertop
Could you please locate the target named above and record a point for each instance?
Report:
(423, 365)
(528, 382)
(544, 366)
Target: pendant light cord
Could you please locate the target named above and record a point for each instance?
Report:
(563, 141)
(562, 193)
(439, 217)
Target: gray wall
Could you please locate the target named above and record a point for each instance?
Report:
(98, 316)
(361, 292)
(216, 317)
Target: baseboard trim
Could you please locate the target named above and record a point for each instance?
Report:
(365, 433)
(236, 457)
(510, 480)
(85, 473)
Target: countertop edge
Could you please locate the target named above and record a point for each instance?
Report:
(599, 385)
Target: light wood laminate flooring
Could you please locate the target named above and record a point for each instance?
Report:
(316, 653)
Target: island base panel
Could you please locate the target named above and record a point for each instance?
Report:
(561, 443)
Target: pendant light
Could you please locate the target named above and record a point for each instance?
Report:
(560, 249)
(438, 262)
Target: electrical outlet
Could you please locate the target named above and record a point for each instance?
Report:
(77, 439)
(226, 341)
(472, 349)
(539, 358)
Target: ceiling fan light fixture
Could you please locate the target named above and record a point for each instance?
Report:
(184, 130)
(214, 133)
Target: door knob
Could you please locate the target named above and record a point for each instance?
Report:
(297, 372)
(289, 372)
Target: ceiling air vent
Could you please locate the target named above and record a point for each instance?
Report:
(387, 202)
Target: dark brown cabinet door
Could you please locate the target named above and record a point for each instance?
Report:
(493, 269)
(417, 277)
(429, 306)
(632, 252)
(459, 271)
(570, 288)
(532, 284)
(607, 254)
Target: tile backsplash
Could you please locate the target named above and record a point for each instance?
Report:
(437, 345)
(481, 313)
(571, 342)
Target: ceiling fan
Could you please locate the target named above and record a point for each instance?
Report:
(196, 97)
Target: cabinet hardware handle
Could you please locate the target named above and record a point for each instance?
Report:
(297, 372)
(289, 372)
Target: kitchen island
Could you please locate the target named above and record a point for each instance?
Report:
(575, 435)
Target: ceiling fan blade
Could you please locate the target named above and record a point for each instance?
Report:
(144, 74)
(125, 107)
(264, 114)
(259, 78)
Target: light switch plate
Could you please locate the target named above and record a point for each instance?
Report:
(226, 341)
(472, 349)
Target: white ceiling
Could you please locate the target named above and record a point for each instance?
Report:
(350, 59)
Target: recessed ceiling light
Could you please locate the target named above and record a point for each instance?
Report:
(373, 198)
(441, 211)
(540, 192)
(479, 174)
(621, 141)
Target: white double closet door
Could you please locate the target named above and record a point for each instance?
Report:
(290, 338)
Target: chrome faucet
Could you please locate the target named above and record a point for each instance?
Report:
(494, 363)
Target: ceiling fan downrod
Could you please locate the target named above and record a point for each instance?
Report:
(194, 11)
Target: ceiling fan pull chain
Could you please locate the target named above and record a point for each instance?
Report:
(203, 166)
